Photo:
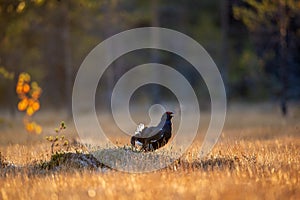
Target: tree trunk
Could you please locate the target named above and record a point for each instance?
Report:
(109, 30)
(155, 54)
(224, 43)
(283, 23)
(67, 60)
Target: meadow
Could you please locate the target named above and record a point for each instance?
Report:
(256, 157)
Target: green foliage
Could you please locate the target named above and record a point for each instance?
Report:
(264, 13)
(6, 74)
(259, 14)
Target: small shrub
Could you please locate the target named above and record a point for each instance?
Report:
(59, 144)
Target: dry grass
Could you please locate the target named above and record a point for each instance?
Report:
(257, 157)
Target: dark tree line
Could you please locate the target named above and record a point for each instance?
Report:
(255, 43)
(274, 27)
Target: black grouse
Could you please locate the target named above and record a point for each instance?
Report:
(152, 138)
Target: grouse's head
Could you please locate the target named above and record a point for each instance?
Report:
(169, 115)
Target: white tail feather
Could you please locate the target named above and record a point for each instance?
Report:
(139, 129)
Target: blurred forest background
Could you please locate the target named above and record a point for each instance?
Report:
(255, 44)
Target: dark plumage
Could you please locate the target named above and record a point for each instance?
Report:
(152, 138)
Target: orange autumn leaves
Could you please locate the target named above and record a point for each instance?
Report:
(29, 94)
(33, 127)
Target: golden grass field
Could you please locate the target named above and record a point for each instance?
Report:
(256, 157)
